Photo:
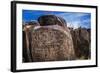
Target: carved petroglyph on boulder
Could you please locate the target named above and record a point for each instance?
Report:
(49, 39)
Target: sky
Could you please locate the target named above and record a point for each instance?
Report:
(73, 19)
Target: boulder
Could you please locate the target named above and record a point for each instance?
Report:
(81, 39)
(26, 40)
(51, 20)
(51, 44)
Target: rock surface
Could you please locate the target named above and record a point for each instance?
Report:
(51, 20)
(51, 44)
(81, 39)
(50, 39)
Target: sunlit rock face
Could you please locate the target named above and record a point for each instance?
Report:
(51, 44)
(26, 40)
(50, 39)
(81, 39)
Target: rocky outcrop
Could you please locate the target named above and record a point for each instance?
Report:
(51, 44)
(51, 20)
(50, 39)
(26, 40)
(81, 40)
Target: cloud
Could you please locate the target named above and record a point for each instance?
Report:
(78, 19)
(74, 25)
(73, 19)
